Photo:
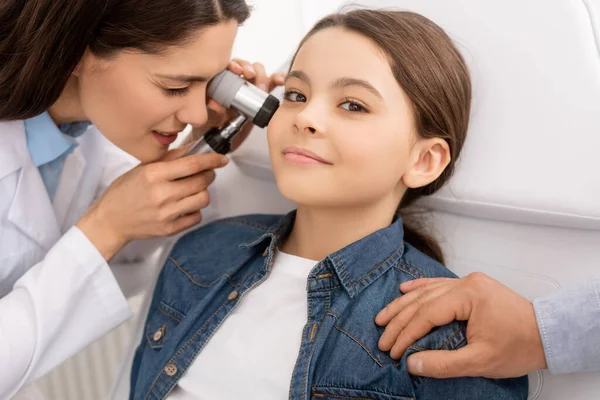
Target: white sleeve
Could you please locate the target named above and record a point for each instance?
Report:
(61, 305)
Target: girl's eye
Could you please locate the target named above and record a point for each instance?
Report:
(353, 106)
(294, 97)
(177, 92)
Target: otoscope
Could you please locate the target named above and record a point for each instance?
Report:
(231, 91)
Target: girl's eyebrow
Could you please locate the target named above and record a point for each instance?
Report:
(339, 83)
(347, 82)
(298, 75)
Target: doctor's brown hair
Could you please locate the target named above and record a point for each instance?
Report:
(42, 41)
(434, 75)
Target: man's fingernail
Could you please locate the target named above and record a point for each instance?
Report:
(262, 86)
(224, 161)
(381, 313)
(415, 365)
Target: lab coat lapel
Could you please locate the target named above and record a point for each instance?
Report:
(66, 191)
(30, 211)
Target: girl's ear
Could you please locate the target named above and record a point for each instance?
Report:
(429, 158)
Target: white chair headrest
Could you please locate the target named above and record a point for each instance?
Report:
(533, 151)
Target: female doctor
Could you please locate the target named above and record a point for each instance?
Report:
(137, 70)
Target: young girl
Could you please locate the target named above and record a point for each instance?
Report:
(374, 116)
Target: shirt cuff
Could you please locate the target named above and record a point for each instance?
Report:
(569, 325)
(106, 287)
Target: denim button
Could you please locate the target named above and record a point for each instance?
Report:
(233, 295)
(158, 335)
(171, 369)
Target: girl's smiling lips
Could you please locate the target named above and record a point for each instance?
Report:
(303, 156)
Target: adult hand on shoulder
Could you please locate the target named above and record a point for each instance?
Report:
(152, 200)
(503, 339)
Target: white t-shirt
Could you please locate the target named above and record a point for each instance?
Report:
(252, 355)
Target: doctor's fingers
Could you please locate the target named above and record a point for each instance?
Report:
(265, 82)
(183, 167)
(187, 206)
(261, 80)
(277, 79)
(183, 222)
(191, 185)
(256, 74)
(244, 68)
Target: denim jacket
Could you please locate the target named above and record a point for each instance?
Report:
(210, 270)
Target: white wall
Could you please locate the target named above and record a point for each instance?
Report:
(276, 27)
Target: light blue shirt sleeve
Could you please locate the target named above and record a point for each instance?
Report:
(569, 324)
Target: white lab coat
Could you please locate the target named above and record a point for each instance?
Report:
(57, 294)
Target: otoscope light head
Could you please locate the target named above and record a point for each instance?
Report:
(232, 91)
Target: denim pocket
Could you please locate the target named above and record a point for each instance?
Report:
(338, 393)
(365, 334)
(161, 325)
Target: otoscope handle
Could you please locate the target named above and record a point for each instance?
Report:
(212, 141)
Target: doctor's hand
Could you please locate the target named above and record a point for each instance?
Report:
(152, 200)
(219, 115)
(503, 339)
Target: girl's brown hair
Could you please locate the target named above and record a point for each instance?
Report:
(434, 75)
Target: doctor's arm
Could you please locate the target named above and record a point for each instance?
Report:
(508, 336)
(60, 305)
(71, 297)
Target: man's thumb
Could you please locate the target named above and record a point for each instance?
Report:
(443, 364)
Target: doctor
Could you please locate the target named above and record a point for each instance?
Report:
(138, 71)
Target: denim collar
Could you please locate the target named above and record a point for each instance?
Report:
(356, 265)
